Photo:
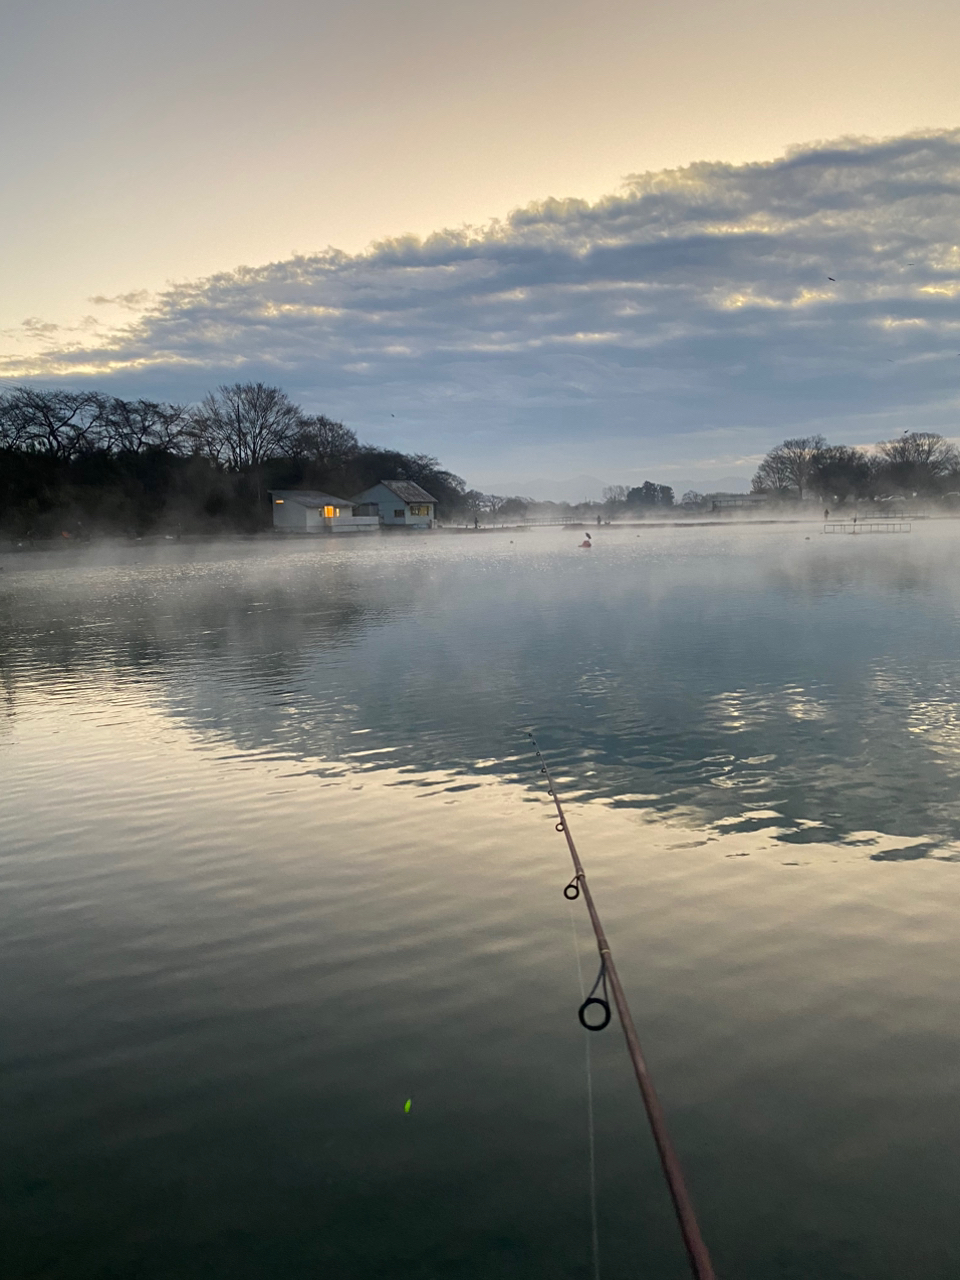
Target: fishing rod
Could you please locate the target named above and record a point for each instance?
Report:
(697, 1254)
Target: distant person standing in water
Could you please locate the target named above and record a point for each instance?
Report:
(826, 513)
(598, 520)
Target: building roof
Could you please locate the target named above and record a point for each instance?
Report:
(309, 498)
(407, 491)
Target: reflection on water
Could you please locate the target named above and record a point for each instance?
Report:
(274, 859)
(689, 679)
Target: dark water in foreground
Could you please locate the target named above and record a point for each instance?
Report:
(274, 859)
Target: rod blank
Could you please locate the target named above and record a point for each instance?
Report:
(697, 1253)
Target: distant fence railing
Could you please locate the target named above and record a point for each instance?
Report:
(867, 526)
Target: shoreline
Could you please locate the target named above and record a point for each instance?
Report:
(13, 551)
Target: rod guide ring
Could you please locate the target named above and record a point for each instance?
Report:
(582, 1014)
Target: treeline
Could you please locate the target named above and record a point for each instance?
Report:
(82, 462)
(918, 464)
(642, 499)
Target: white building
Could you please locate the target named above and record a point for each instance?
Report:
(306, 511)
(398, 502)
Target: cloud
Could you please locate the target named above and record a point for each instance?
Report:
(38, 328)
(689, 316)
(135, 300)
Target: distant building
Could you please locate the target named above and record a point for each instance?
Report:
(398, 502)
(734, 501)
(308, 511)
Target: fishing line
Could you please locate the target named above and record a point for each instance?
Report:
(591, 1132)
(699, 1258)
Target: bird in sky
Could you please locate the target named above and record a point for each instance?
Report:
(831, 278)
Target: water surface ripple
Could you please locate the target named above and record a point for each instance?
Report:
(274, 859)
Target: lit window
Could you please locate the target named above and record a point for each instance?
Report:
(421, 510)
(330, 512)
(278, 502)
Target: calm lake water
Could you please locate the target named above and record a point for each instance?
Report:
(275, 858)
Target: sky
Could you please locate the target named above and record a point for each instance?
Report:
(558, 245)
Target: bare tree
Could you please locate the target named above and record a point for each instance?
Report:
(841, 472)
(615, 493)
(774, 473)
(327, 443)
(920, 462)
(244, 424)
(133, 426)
(925, 452)
(800, 458)
(471, 502)
(15, 430)
(60, 424)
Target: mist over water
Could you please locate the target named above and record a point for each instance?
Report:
(275, 858)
